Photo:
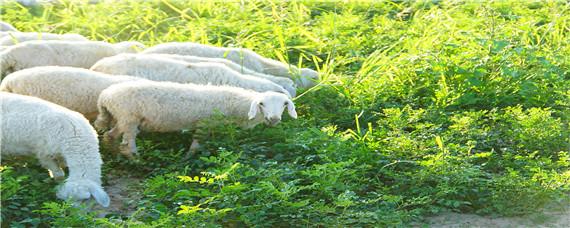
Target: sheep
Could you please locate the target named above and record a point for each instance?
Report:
(11, 38)
(166, 107)
(164, 69)
(286, 83)
(60, 53)
(7, 27)
(5, 33)
(74, 88)
(303, 77)
(34, 127)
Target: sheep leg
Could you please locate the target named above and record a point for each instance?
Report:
(193, 148)
(110, 136)
(53, 168)
(128, 145)
(195, 145)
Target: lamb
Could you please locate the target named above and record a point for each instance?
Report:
(286, 83)
(303, 77)
(74, 88)
(164, 69)
(60, 53)
(166, 107)
(34, 127)
(11, 38)
(7, 27)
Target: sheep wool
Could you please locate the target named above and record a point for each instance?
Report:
(18, 37)
(165, 107)
(286, 83)
(7, 27)
(60, 53)
(244, 57)
(158, 68)
(74, 88)
(31, 126)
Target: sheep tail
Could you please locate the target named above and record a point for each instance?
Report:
(103, 119)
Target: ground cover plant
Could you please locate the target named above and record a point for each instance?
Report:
(424, 107)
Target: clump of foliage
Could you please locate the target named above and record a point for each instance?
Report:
(424, 107)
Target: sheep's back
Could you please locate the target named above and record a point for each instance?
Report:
(60, 53)
(74, 88)
(33, 125)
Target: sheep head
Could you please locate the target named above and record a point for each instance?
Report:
(271, 106)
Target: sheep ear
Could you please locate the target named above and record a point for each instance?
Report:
(291, 109)
(253, 109)
(100, 196)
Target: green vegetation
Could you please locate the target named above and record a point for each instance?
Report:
(424, 107)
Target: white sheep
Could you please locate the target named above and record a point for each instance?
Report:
(34, 127)
(165, 69)
(286, 83)
(74, 88)
(11, 38)
(166, 107)
(7, 27)
(60, 53)
(303, 77)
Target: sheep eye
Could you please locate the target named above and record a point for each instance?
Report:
(286, 103)
(261, 103)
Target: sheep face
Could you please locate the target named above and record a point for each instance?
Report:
(271, 106)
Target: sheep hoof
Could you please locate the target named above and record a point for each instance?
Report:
(124, 150)
(190, 153)
(129, 155)
(108, 140)
(57, 175)
(59, 178)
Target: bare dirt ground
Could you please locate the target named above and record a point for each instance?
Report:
(124, 192)
(548, 218)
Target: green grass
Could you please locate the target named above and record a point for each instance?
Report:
(460, 106)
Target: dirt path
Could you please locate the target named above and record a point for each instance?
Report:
(558, 218)
(124, 191)
(123, 195)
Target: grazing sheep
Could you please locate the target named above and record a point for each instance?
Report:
(11, 38)
(157, 68)
(165, 107)
(7, 27)
(286, 83)
(34, 127)
(5, 33)
(303, 77)
(60, 53)
(74, 88)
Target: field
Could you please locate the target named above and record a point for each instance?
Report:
(424, 107)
